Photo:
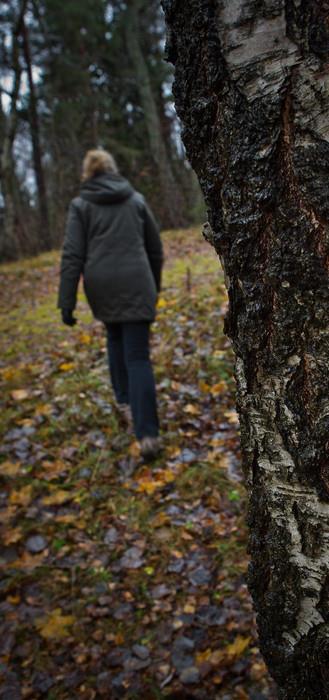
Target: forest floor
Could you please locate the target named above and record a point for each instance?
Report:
(120, 579)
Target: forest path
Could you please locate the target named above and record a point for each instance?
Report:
(118, 579)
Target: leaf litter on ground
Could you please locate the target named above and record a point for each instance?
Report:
(120, 579)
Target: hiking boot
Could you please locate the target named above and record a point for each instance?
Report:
(150, 447)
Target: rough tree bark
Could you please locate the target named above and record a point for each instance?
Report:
(252, 90)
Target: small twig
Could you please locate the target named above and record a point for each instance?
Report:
(188, 280)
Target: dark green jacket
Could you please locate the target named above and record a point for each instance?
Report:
(112, 240)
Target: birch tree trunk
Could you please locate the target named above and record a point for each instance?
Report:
(252, 90)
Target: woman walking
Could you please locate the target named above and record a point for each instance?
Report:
(113, 240)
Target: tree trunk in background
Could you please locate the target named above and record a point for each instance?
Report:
(8, 243)
(45, 235)
(252, 90)
(170, 191)
(8, 248)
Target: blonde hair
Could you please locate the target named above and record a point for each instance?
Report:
(98, 161)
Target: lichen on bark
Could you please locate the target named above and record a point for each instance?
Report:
(252, 91)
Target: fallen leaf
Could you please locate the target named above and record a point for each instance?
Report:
(148, 486)
(28, 561)
(10, 468)
(85, 338)
(19, 394)
(54, 625)
(7, 514)
(43, 409)
(258, 670)
(166, 476)
(232, 417)
(10, 373)
(162, 303)
(192, 410)
(22, 497)
(13, 599)
(12, 536)
(57, 498)
(218, 389)
(66, 366)
(135, 450)
(52, 469)
(237, 647)
(160, 519)
(203, 656)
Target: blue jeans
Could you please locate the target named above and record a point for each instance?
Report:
(132, 375)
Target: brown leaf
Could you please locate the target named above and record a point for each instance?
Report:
(22, 497)
(12, 536)
(54, 625)
(28, 562)
(57, 498)
(10, 468)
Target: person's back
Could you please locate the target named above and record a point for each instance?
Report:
(113, 241)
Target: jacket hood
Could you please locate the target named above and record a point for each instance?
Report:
(106, 188)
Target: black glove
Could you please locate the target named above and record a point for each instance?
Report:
(68, 318)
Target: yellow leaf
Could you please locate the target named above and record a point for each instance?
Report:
(22, 497)
(189, 609)
(161, 304)
(147, 486)
(10, 468)
(173, 451)
(237, 647)
(85, 338)
(19, 394)
(9, 373)
(54, 625)
(203, 386)
(167, 476)
(43, 409)
(57, 498)
(218, 389)
(149, 570)
(12, 536)
(232, 417)
(192, 410)
(203, 656)
(66, 366)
